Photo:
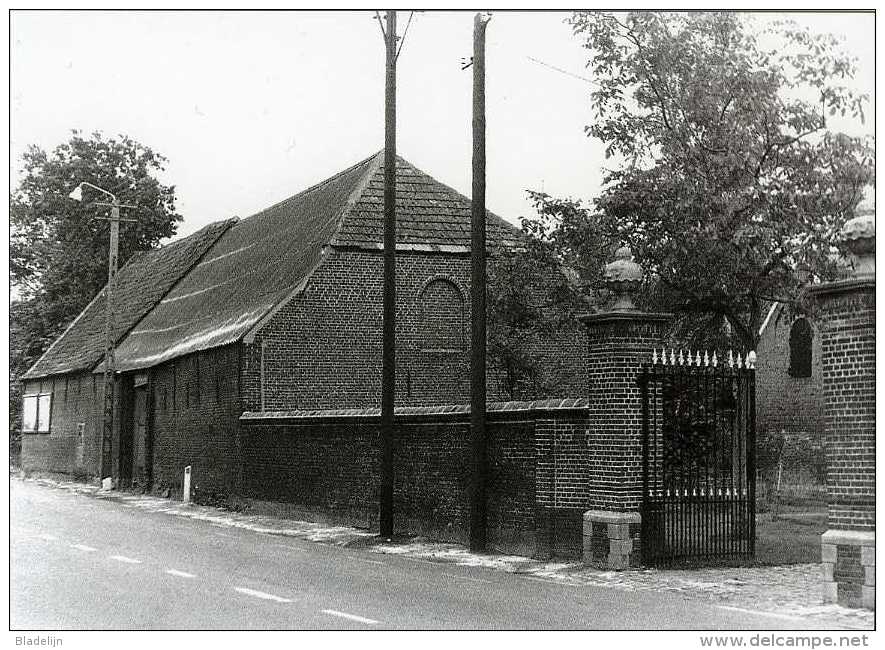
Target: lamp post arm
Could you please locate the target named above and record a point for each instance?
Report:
(100, 189)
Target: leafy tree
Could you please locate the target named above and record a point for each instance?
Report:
(727, 184)
(58, 251)
(532, 298)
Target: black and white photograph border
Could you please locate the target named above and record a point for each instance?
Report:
(442, 319)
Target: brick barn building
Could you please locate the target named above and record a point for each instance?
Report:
(790, 417)
(275, 312)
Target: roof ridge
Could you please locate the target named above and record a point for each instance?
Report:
(457, 193)
(313, 187)
(358, 192)
(176, 242)
(299, 287)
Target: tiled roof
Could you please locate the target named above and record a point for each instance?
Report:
(429, 214)
(140, 285)
(266, 259)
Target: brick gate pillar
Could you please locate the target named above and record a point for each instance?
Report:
(620, 340)
(846, 313)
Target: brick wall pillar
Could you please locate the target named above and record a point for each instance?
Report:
(846, 314)
(619, 342)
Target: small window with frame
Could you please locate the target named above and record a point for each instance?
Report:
(36, 412)
(801, 337)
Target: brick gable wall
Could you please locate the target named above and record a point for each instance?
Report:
(323, 349)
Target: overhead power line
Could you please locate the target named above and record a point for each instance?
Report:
(560, 70)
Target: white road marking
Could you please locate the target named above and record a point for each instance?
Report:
(180, 574)
(83, 547)
(50, 538)
(261, 594)
(352, 617)
(758, 613)
(368, 561)
(127, 560)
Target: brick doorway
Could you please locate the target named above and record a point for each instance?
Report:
(135, 441)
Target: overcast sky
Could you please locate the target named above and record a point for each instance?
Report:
(250, 108)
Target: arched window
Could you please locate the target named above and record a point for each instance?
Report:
(442, 316)
(800, 348)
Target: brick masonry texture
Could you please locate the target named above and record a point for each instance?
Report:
(617, 348)
(76, 398)
(323, 349)
(847, 321)
(195, 421)
(793, 406)
(332, 462)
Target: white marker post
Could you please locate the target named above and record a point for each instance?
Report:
(186, 492)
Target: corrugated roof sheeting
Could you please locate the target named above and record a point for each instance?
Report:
(257, 263)
(141, 283)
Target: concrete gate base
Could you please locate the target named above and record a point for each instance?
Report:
(848, 560)
(611, 539)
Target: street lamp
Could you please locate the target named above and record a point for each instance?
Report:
(109, 364)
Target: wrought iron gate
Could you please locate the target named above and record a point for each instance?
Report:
(698, 458)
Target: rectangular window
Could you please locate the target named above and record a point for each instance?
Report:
(35, 412)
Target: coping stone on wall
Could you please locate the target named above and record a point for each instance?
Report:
(450, 411)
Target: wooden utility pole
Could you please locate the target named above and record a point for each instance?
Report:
(107, 437)
(388, 353)
(478, 296)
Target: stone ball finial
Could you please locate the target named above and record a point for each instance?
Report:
(623, 277)
(859, 238)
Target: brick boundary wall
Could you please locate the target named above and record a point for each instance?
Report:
(329, 460)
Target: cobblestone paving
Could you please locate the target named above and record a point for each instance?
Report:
(790, 591)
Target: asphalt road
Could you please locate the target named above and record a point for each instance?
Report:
(77, 562)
